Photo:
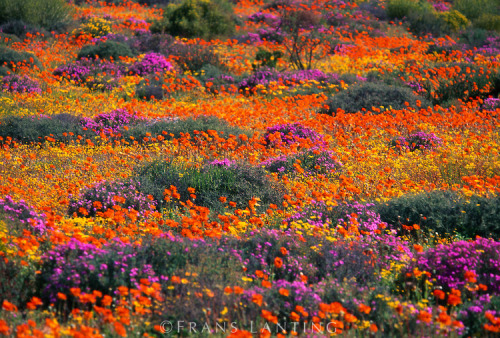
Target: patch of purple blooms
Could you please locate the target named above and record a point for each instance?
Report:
(109, 37)
(420, 140)
(22, 212)
(267, 18)
(289, 78)
(111, 122)
(291, 133)
(448, 263)
(222, 163)
(491, 103)
(20, 84)
(86, 266)
(150, 64)
(106, 195)
(312, 161)
(441, 6)
(96, 75)
(319, 214)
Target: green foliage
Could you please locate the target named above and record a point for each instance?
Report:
(266, 58)
(489, 22)
(173, 128)
(33, 129)
(106, 50)
(197, 19)
(49, 14)
(11, 58)
(424, 19)
(445, 212)
(398, 9)
(369, 95)
(192, 58)
(237, 182)
(17, 282)
(473, 9)
(149, 89)
(454, 20)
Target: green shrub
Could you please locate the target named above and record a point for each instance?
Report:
(192, 58)
(424, 19)
(489, 22)
(20, 28)
(473, 9)
(36, 129)
(169, 127)
(369, 95)
(106, 50)
(445, 212)
(239, 183)
(398, 9)
(17, 282)
(454, 20)
(11, 58)
(49, 14)
(150, 89)
(266, 58)
(197, 19)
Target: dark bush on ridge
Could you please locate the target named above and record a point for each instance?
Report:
(105, 50)
(197, 19)
(166, 127)
(20, 28)
(37, 128)
(445, 212)
(12, 58)
(193, 58)
(49, 14)
(369, 95)
(239, 183)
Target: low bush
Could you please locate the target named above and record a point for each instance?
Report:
(106, 50)
(293, 133)
(49, 14)
(20, 84)
(23, 215)
(37, 129)
(192, 58)
(151, 88)
(310, 162)
(489, 22)
(398, 9)
(473, 9)
(20, 28)
(151, 63)
(368, 95)
(108, 195)
(173, 128)
(197, 19)
(421, 141)
(239, 183)
(445, 212)
(13, 59)
(111, 122)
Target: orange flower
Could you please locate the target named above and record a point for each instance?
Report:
(364, 308)
(284, 292)
(120, 330)
(266, 284)
(418, 248)
(238, 290)
(444, 319)
(470, 276)
(257, 299)
(373, 328)
(278, 262)
(176, 280)
(223, 199)
(4, 328)
(425, 316)
(284, 251)
(61, 296)
(8, 306)
(259, 273)
(439, 294)
(294, 317)
(228, 290)
(350, 318)
(268, 316)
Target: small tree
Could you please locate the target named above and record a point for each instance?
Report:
(304, 35)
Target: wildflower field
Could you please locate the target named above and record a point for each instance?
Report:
(249, 168)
